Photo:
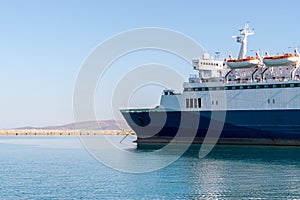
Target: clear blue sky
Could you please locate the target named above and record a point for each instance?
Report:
(43, 43)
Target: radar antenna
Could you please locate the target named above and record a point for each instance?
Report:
(244, 33)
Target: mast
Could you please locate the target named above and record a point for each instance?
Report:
(244, 33)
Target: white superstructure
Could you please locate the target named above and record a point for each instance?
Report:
(252, 83)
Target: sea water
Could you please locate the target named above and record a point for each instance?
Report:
(61, 168)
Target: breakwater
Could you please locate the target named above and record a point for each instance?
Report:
(42, 132)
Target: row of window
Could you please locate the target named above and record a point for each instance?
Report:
(214, 102)
(208, 63)
(193, 103)
(269, 101)
(291, 85)
(196, 102)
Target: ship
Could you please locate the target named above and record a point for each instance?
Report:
(245, 100)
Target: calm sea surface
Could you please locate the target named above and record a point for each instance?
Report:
(60, 168)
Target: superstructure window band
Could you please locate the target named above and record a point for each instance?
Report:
(243, 87)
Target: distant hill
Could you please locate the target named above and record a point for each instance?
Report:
(87, 125)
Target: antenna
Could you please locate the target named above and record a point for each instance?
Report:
(217, 55)
(293, 47)
(256, 50)
(239, 39)
(244, 33)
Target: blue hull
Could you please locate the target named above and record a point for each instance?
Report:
(269, 127)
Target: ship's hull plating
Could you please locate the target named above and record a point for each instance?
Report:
(267, 127)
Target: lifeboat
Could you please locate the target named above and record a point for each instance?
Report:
(248, 62)
(281, 60)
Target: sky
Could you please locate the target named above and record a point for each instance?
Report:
(43, 45)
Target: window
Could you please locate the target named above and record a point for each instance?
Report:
(187, 103)
(273, 101)
(212, 102)
(199, 102)
(195, 103)
(191, 103)
(217, 102)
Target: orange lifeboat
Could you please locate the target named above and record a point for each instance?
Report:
(281, 60)
(248, 62)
